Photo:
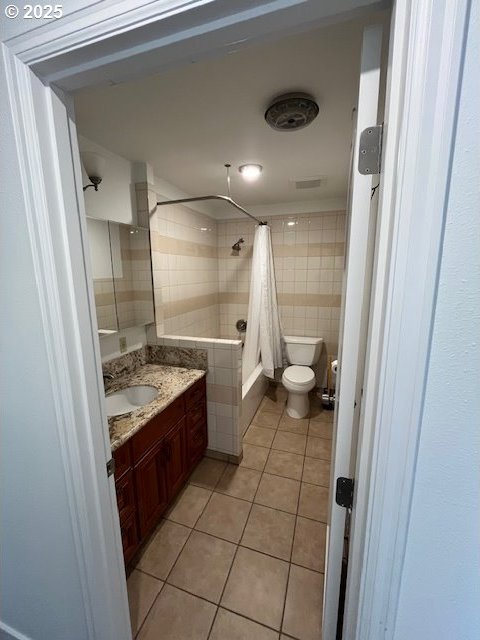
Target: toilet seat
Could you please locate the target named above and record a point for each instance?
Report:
(298, 378)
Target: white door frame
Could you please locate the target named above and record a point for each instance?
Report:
(357, 279)
(423, 87)
(426, 52)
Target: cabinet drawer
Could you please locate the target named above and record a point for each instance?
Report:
(125, 495)
(129, 538)
(196, 393)
(158, 427)
(196, 434)
(123, 460)
(196, 414)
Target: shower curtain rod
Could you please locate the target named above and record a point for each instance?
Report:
(224, 198)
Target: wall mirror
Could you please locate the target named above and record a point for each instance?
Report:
(122, 275)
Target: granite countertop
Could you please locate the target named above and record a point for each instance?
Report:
(170, 381)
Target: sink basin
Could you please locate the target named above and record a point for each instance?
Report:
(130, 399)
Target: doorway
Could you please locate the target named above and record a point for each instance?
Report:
(183, 121)
(60, 250)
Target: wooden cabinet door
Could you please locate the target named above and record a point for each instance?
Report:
(130, 538)
(196, 430)
(152, 496)
(175, 450)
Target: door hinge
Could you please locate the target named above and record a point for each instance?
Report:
(110, 467)
(370, 151)
(344, 492)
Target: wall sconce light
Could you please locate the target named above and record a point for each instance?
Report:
(94, 165)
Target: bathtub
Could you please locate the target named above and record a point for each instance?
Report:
(253, 390)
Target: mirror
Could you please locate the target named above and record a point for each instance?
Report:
(122, 275)
(102, 271)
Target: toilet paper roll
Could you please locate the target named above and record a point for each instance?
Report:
(334, 367)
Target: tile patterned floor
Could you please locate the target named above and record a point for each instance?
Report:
(241, 553)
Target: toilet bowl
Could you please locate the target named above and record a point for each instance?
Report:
(298, 379)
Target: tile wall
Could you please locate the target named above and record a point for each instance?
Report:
(309, 253)
(224, 391)
(185, 271)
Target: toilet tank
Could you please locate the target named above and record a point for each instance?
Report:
(302, 350)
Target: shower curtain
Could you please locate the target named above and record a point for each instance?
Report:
(264, 332)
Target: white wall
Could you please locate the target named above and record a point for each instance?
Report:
(41, 594)
(115, 198)
(440, 592)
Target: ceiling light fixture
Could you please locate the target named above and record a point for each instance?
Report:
(250, 172)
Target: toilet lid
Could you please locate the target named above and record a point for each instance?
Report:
(298, 374)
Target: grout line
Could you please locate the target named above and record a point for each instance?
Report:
(153, 603)
(178, 556)
(239, 544)
(233, 561)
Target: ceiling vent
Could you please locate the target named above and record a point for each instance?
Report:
(308, 183)
(291, 111)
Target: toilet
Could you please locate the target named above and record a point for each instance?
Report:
(298, 379)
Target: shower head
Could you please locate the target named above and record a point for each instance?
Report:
(236, 246)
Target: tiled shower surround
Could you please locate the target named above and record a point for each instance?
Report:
(224, 388)
(202, 285)
(201, 289)
(309, 254)
(185, 271)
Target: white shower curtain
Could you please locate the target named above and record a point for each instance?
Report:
(263, 341)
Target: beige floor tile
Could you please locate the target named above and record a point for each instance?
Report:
(177, 615)
(239, 482)
(270, 531)
(291, 442)
(313, 502)
(272, 405)
(142, 591)
(202, 567)
(276, 390)
(319, 448)
(309, 544)
(303, 608)
(317, 412)
(163, 549)
(266, 419)
(320, 429)
(224, 517)
(278, 493)
(254, 457)
(316, 471)
(189, 505)
(230, 626)
(288, 465)
(293, 425)
(256, 587)
(259, 436)
(207, 473)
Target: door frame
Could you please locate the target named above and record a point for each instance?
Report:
(426, 50)
(357, 280)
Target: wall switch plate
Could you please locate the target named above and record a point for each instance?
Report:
(123, 344)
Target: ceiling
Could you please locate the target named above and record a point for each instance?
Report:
(189, 122)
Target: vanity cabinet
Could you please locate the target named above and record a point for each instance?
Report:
(151, 467)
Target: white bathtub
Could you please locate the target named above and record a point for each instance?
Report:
(253, 390)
